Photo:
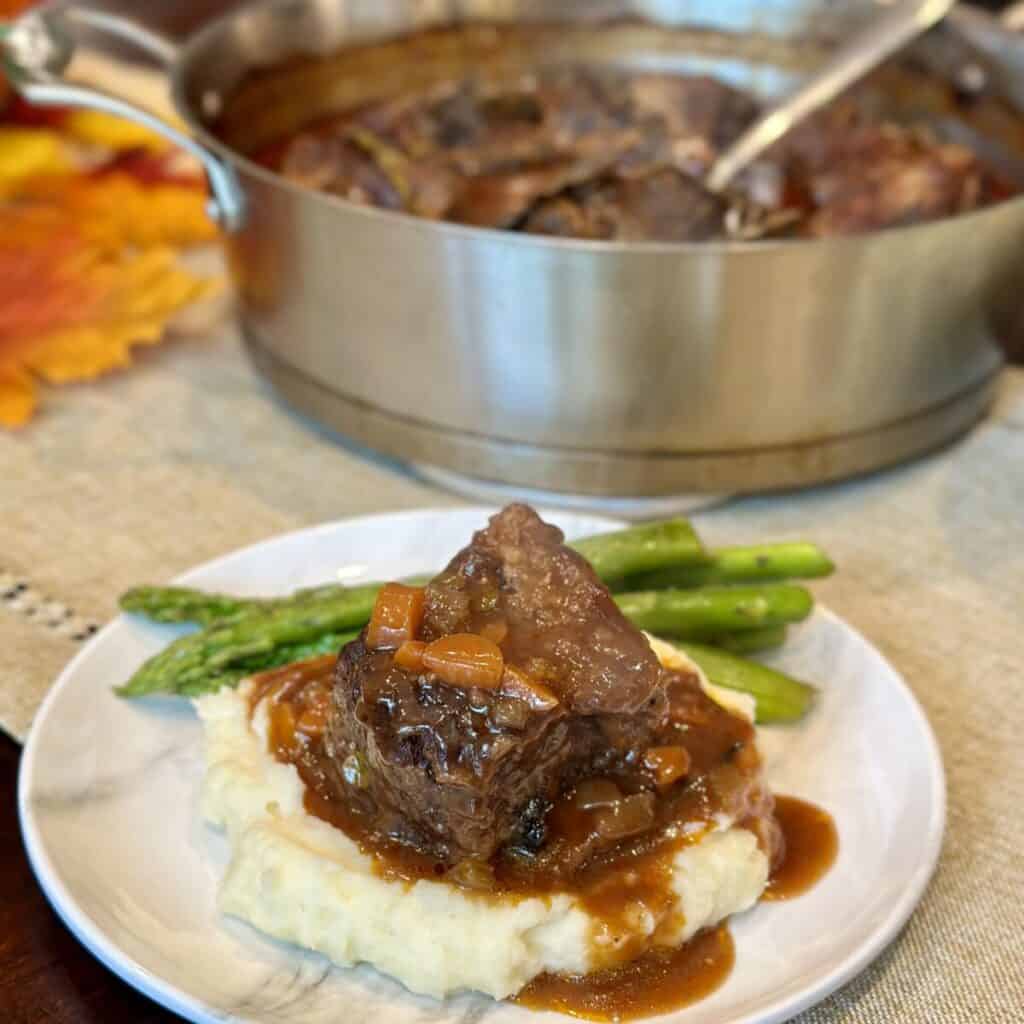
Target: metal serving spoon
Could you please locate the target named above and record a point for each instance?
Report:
(886, 33)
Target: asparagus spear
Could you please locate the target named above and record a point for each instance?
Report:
(329, 643)
(748, 641)
(742, 641)
(780, 698)
(240, 640)
(673, 542)
(716, 610)
(182, 604)
(755, 564)
(205, 682)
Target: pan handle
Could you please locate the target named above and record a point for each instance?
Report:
(36, 49)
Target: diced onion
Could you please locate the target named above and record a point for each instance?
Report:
(667, 764)
(472, 874)
(592, 794)
(628, 817)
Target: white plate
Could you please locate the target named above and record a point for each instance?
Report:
(108, 802)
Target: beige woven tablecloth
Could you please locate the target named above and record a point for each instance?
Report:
(140, 476)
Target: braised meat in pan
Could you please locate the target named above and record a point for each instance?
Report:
(598, 153)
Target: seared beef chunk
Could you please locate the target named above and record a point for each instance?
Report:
(566, 217)
(460, 771)
(664, 205)
(338, 166)
(449, 769)
(693, 106)
(500, 200)
(860, 177)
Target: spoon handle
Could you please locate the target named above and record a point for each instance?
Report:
(886, 33)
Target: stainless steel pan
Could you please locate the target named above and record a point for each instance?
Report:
(597, 368)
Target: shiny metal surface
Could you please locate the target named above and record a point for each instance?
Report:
(886, 33)
(602, 368)
(618, 473)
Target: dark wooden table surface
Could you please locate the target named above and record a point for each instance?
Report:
(45, 974)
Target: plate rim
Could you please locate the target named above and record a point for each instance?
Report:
(179, 1001)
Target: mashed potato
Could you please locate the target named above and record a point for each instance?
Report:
(297, 878)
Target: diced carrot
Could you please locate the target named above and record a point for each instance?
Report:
(465, 659)
(516, 683)
(410, 655)
(397, 615)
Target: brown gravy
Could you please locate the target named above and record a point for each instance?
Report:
(657, 982)
(660, 981)
(812, 844)
(611, 887)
